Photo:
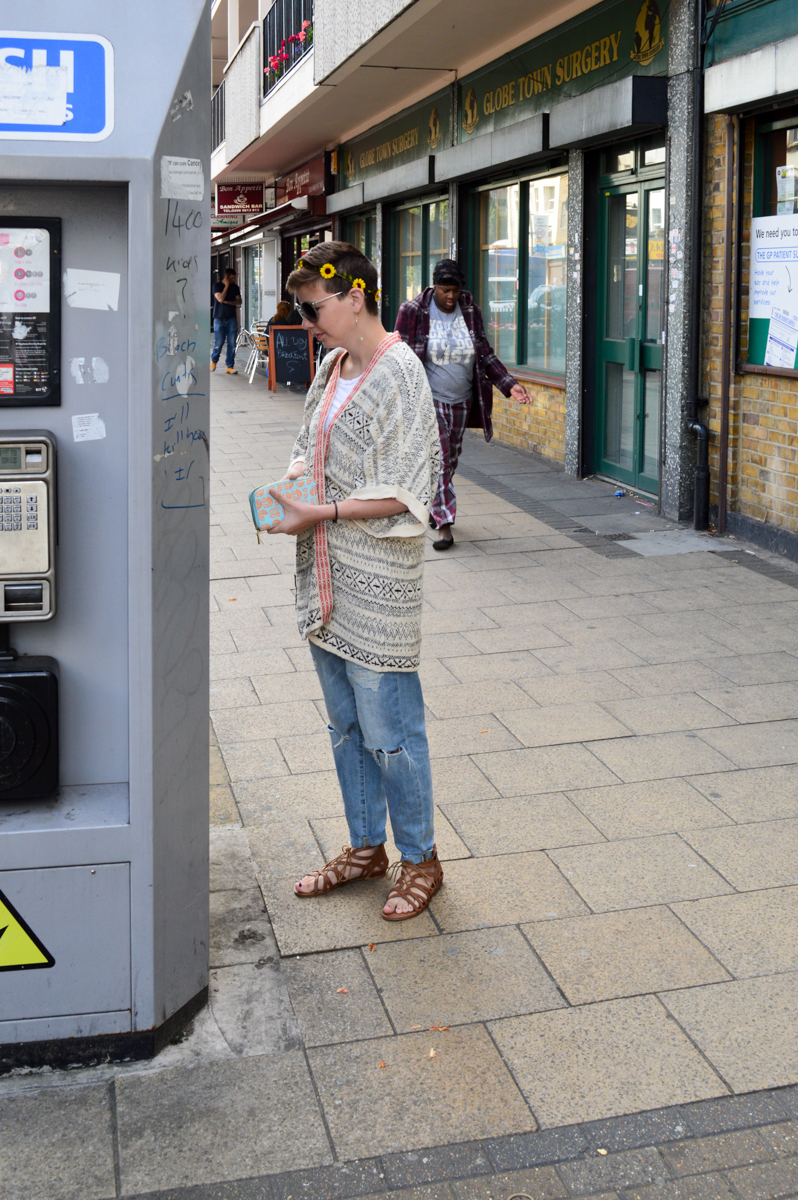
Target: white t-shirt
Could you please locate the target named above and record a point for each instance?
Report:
(342, 393)
(450, 356)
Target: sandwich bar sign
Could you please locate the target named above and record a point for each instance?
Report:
(233, 199)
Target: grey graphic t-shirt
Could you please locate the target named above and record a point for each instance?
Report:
(450, 356)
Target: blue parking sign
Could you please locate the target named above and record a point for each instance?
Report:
(56, 86)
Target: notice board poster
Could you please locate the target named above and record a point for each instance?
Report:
(29, 312)
(773, 294)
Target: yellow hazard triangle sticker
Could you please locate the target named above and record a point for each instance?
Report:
(20, 949)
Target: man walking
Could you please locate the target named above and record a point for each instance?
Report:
(226, 300)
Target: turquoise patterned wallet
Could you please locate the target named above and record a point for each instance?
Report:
(267, 511)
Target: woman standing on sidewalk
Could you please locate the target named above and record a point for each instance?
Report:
(369, 439)
(443, 326)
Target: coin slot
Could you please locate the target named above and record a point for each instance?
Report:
(23, 597)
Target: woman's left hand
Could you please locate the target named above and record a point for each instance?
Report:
(297, 517)
(520, 394)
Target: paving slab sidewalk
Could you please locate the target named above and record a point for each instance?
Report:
(612, 964)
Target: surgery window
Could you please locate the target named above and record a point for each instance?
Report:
(421, 239)
(776, 193)
(361, 231)
(521, 289)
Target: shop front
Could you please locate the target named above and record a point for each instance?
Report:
(750, 329)
(300, 215)
(553, 177)
(630, 314)
(388, 204)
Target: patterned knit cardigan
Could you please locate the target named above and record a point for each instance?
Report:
(359, 582)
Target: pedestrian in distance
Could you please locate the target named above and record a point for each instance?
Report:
(444, 327)
(226, 303)
(281, 315)
(369, 439)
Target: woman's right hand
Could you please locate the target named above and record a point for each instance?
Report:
(295, 470)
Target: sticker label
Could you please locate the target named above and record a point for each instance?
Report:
(91, 289)
(20, 948)
(182, 178)
(56, 86)
(88, 427)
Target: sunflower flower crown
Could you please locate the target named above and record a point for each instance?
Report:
(328, 271)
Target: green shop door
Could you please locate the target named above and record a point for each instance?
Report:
(630, 333)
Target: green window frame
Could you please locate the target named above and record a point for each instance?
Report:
(770, 331)
(765, 163)
(360, 230)
(412, 259)
(536, 344)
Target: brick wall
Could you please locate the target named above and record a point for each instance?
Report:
(763, 409)
(539, 426)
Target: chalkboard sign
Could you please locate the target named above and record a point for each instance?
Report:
(30, 311)
(290, 355)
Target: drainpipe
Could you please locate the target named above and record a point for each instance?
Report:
(701, 497)
(726, 328)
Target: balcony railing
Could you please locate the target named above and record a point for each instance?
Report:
(287, 37)
(217, 117)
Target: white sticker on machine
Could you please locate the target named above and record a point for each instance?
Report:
(182, 178)
(88, 427)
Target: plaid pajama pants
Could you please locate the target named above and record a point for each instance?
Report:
(451, 427)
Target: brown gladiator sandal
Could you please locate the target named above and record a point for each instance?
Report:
(417, 883)
(372, 859)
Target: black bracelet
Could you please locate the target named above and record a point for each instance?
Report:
(335, 518)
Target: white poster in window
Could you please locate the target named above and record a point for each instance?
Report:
(786, 189)
(773, 298)
(782, 340)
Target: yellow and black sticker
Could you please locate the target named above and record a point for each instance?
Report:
(20, 948)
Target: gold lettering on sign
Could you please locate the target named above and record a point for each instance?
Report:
(573, 66)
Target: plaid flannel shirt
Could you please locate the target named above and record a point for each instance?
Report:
(412, 325)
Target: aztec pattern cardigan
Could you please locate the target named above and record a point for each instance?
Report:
(359, 583)
(412, 325)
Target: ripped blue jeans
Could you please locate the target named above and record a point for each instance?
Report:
(381, 755)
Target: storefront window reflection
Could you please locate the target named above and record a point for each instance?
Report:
(498, 267)
(409, 253)
(546, 274)
(438, 237)
(781, 172)
(522, 295)
(361, 232)
(253, 284)
(423, 238)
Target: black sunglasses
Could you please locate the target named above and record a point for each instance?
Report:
(310, 308)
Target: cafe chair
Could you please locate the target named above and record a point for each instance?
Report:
(259, 351)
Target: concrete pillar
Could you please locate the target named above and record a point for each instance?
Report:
(684, 258)
(574, 311)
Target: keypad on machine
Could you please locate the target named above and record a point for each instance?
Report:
(11, 504)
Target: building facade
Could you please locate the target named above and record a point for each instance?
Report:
(750, 311)
(556, 156)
